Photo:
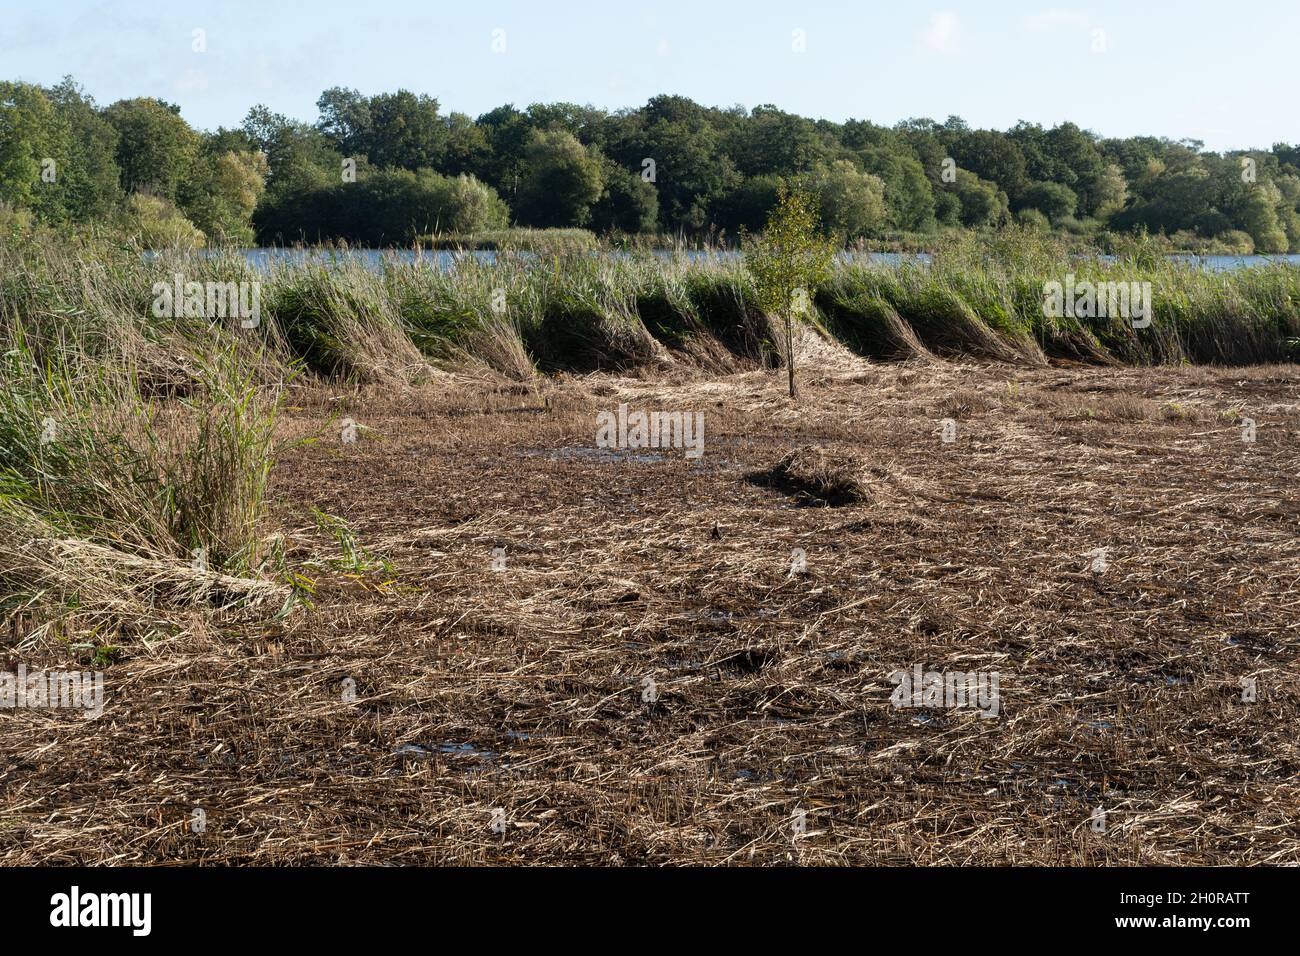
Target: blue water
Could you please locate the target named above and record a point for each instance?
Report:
(1229, 263)
(443, 259)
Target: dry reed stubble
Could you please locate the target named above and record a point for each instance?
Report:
(522, 690)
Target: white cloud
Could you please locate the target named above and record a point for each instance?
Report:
(941, 35)
(1056, 17)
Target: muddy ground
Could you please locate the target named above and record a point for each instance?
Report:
(647, 681)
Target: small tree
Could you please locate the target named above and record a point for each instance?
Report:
(788, 261)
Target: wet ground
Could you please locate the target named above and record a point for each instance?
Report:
(579, 655)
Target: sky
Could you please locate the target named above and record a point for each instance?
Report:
(1223, 73)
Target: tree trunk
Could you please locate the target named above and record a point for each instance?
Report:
(789, 351)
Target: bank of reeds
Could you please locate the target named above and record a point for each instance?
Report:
(346, 318)
(134, 450)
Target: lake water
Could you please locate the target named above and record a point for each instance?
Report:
(1229, 263)
(443, 259)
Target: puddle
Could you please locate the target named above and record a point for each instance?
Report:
(458, 750)
(718, 614)
(747, 776)
(708, 614)
(583, 453)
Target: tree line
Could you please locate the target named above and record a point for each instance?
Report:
(389, 168)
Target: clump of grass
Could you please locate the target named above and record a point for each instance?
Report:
(339, 319)
(92, 296)
(817, 475)
(858, 315)
(110, 499)
(353, 557)
(724, 300)
(586, 317)
(470, 316)
(61, 577)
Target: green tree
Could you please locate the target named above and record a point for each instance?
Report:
(1033, 219)
(468, 150)
(982, 203)
(947, 208)
(692, 171)
(383, 207)
(1256, 214)
(1173, 194)
(90, 179)
(465, 205)
(344, 119)
(775, 142)
(852, 202)
(31, 136)
(628, 203)
(584, 122)
(748, 205)
(1053, 200)
(299, 157)
(562, 181)
(232, 184)
(910, 199)
(994, 157)
(156, 150)
(788, 261)
(405, 131)
(158, 224)
(1288, 210)
(508, 133)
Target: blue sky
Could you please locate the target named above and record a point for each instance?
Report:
(1220, 72)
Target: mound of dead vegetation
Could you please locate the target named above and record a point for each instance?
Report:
(817, 475)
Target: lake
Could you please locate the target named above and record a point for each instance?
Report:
(442, 259)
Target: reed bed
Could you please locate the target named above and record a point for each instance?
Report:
(524, 312)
